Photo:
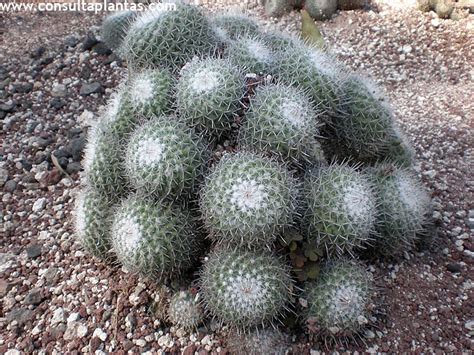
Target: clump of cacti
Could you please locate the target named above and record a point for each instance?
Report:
(403, 206)
(154, 239)
(208, 161)
(92, 219)
(164, 157)
(243, 288)
(169, 37)
(115, 27)
(284, 120)
(185, 310)
(248, 199)
(208, 94)
(338, 301)
(340, 210)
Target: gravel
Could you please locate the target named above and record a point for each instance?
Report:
(57, 298)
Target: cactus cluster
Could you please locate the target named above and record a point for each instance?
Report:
(212, 159)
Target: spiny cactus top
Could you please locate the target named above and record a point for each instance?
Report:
(103, 164)
(313, 70)
(259, 341)
(244, 289)
(154, 239)
(209, 93)
(150, 92)
(282, 119)
(403, 208)
(341, 208)
(115, 27)
(92, 221)
(169, 38)
(247, 200)
(251, 53)
(165, 158)
(234, 25)
(185, 310)
(338, 301)
(366, 122)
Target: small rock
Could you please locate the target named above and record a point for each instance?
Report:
(10, 186)
(75, 147)
(101, 49)
(8, 106)
(58, 316)
(369, 334)
(71, 41)
(34, 297)
(21, 315)
(141, 342)
(454, 267)
(89, 42)
(38, 52)
(4, 287)
(23, 88)
(3, 176)
(39, 204)
(99, 333)
(59, 90)
(73, 168)
(92, 88)
(33, 251)
(469, 325)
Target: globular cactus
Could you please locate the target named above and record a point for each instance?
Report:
(169, 38)
(247, 200)
(279, 41)
(244, 289)
(103, 165)
(149, 93)
(282, 119)
(92, 222)
(165, 158)
(277, 8)
(340, 208)
(365, 123)
(154, 239)
(185, 310)
(270, 341)
(320, 9)
(312, 70)
(208, 94)
(251, 53)
(404, 206)
(339, 300)
(114, 28)
(235, 25)
(400, 150)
